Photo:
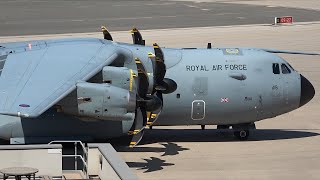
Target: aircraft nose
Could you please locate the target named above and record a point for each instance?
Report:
(307, 91)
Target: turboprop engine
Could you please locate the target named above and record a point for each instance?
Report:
(123, 92)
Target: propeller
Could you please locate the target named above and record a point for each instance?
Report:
(106, 33)
(150, 105)
(161, 85)
(145, 103)
(137, 37)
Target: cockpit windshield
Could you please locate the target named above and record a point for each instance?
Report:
(291, 67)
(285, 69)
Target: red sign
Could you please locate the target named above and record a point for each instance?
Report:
(285, 19)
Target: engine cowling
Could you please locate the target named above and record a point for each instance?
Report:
(105, 101)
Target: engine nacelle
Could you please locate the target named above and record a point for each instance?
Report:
(117, 76)
(105, 101)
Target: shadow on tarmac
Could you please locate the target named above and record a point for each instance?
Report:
(150, 165)
(214, 135)
(169, 149)
(169, 137)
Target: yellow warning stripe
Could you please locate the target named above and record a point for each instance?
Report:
(133, 143)
(151, 55)
(155, 45)
(137, 60)
(153, 115)
(131, 79)
(134, 30)
(134, 132)
(103, 28)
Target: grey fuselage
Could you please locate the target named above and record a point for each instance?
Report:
(218, 86)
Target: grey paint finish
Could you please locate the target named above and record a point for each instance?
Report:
(202, 75)
(221, 86)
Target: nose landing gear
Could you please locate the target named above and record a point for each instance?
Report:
(242, 134)
(242, 131)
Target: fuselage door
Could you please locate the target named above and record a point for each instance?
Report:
(198, 110)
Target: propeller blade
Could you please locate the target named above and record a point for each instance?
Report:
(152, 118)
(106, 33)
(158, 51)
(143, 79)
(159, 68)
(137, 129)
(140, 120)
(161, 84)
(137, 37)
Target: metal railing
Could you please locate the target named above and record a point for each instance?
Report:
(84, 158)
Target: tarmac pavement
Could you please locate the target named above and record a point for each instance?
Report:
(31, 17)
(285, 147)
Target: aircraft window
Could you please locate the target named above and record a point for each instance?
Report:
(290, 66)
(285, 69)
(275, 67)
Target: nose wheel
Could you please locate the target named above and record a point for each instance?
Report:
(242, 134)
(242, 131)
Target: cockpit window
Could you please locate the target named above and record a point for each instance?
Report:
(290, 66)
(285, 69)
(275, 68)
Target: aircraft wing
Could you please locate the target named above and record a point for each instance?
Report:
(36, 75)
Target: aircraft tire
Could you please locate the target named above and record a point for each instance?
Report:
(242, 134)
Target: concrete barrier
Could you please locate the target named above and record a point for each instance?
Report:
(104, 161)
(46, 158)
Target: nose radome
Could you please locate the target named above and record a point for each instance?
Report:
(307, 91)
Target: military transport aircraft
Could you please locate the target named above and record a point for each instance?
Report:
(93, 89)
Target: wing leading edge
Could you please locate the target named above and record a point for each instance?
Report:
(36, 77)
